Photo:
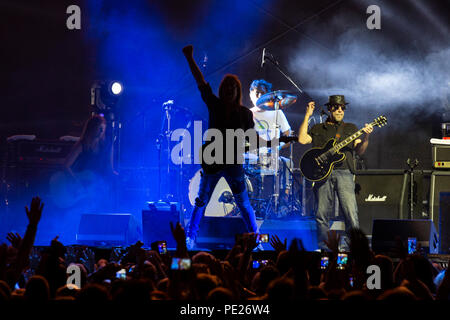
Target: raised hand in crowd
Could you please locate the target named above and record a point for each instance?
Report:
(248, 242)
(277, 245)
(333, 241)
(35, 211)
(180, 238)
(14, 239)
(443, 291)
(3, 260)
(361, 256)
(116, 255)
(21, 261)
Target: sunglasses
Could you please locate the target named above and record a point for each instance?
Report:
(335, 107)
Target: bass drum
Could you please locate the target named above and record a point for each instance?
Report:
(221, 203)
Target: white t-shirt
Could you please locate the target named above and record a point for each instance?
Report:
(265, 123)
(265, 126)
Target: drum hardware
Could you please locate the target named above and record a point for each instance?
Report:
(283, 98)
(262, 197)
(275, 101)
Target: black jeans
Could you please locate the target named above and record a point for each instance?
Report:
(235, 177)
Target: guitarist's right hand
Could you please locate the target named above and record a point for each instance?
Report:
(310, 108)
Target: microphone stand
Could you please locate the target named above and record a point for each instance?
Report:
(270, 58)
(277, 66)
(411, 164)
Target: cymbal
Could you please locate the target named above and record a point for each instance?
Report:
(284, 97)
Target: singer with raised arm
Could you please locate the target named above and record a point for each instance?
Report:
(225, 112)
(341, 180)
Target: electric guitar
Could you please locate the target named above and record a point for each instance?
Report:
(318, 163)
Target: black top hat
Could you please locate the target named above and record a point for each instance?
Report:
(336, 100)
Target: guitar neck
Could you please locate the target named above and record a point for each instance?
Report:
(350, 139)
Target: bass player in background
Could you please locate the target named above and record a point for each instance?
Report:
(341, 180)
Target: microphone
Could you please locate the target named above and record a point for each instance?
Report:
(263, 60)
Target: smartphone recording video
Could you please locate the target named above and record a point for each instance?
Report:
(259, 263)
(324, 261)
(121, 274)
(162, 247)
(180, 264)
(342, 260)
(412, 245)
(263, 237)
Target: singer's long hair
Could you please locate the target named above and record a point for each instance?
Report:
(231, 79)
(92, 136)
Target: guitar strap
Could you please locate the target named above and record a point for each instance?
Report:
(339, 133)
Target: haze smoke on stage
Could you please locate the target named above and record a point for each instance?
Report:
(395, 67)
(372, 76)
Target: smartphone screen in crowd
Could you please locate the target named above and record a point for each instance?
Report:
(412, 245)
(324, 261)
(162, 247)
(180, 264)
(263, 237)
(259, 263)
(121, 274)
(342, 260)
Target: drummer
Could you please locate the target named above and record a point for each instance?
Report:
(265, 126)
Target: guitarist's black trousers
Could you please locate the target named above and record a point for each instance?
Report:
(341, 183)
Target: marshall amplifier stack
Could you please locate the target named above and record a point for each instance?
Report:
(38, 153)
(30, 162)
(379, 195)
(383, 198)
(440, 191)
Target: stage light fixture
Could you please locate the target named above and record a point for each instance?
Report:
(116, 88)
(104, 95)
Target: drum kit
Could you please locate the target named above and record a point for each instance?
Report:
(270, 198)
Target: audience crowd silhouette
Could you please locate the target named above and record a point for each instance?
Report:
(29, 274)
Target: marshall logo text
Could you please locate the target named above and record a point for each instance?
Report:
(372, 198)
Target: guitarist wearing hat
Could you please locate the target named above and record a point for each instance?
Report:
(341, 178)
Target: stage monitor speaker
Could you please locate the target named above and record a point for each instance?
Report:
(444, 222)
(219, 232)
(156, 222)
(115, 229)
(440, 183)
(379, 196)
(290, 229)
(386, 232)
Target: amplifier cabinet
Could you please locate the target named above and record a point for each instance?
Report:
(444, 222)
(440, 183)
(38, 152)
(380, 194)
(440, 156)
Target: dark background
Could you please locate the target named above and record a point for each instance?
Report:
(400, 71)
